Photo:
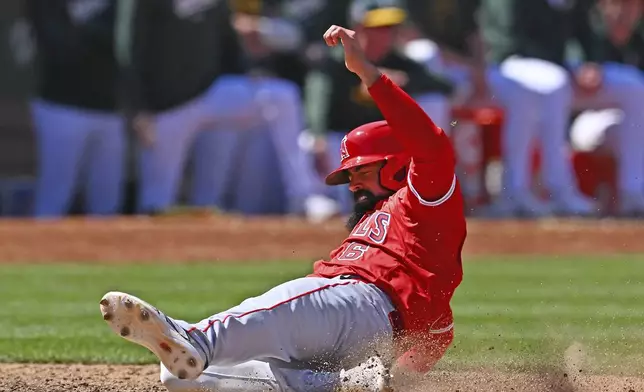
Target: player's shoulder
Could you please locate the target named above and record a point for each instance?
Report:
(396, 202)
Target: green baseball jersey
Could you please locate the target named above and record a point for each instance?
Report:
(336, 100)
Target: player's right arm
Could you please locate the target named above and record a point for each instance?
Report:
(431, 177)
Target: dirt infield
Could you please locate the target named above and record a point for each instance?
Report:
(111, 378)
(217, 238)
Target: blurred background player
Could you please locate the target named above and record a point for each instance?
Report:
(190, 90)
(338, 102)
(80, 136)
(272, 36)
(174, 54)
(445, 36)
(525, 43)
(610, 83)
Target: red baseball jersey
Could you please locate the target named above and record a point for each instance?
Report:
(410, 245)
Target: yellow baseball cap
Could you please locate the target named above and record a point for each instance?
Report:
(377, 13)
(252, 7)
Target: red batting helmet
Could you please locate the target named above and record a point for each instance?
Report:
(370, 143)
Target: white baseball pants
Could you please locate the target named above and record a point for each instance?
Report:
(295, 337)
(538, 99)
(78, 146)
(218, 125)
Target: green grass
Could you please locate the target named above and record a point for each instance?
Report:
(509, 312)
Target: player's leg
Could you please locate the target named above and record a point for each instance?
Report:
(161, 164)
(258, 184)
(519, 131)
(312, 320)
(252, 376)
(280, 106)
(316, 320)
(371, 375)
(61, 133)
(106, 164)
(623, 88)
(558, 173)
(235, 170)
(217, 156)
(226, 115)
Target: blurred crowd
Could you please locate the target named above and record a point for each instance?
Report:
(226, 103)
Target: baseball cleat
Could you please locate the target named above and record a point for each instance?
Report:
(369, 376)
(141, 323)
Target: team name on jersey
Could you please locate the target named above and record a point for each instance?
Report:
(373, 230)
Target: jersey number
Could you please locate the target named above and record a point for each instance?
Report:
(374, 229)
(353, 252)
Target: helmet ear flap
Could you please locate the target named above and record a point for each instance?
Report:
(401, 174)
(393, 173)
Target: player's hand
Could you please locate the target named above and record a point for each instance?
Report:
(143, 125)
(354, 57)
(588, 78)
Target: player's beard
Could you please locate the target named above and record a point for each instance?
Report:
(362, 206)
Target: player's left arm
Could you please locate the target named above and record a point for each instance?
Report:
(431, 177)
(422, 351)
(425, 354)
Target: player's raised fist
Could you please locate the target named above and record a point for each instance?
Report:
(354, 57)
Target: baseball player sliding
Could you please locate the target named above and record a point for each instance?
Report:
(379, 306)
